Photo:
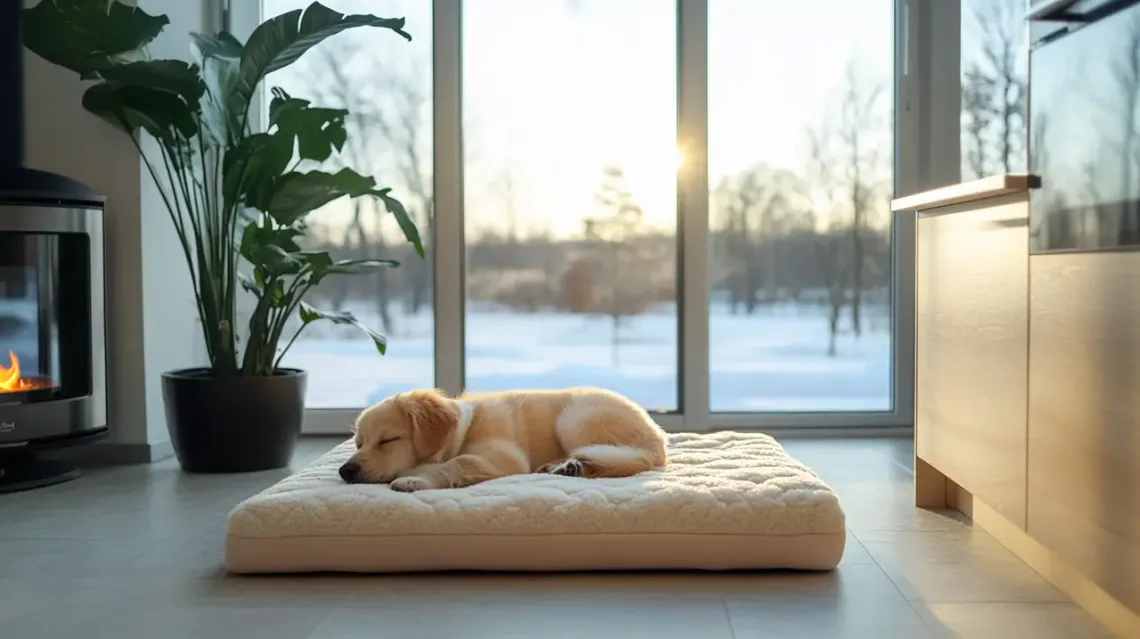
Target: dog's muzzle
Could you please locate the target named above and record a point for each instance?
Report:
(350, 472)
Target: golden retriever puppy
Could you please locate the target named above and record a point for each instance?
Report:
(423, 439)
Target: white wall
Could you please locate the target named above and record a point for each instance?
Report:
(171, 338)
(150, 310)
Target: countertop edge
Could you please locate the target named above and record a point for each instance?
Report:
(984, 188)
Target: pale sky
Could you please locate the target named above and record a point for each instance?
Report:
(554, 90)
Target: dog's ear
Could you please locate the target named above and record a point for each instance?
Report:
(433, 416)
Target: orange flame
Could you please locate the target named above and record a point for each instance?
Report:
(10, 379)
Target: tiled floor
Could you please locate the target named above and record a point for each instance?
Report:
(134, 552)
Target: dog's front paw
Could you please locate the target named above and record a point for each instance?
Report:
(409, 484)
(566, 468)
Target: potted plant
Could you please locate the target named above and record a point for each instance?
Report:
(236, 198)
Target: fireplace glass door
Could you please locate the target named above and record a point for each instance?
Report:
(45, 317)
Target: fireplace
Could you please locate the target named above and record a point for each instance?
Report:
(52, 344)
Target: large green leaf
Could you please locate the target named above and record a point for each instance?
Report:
(271, 250)
(221, 45)
(254, 169)
(318, 131)
(88, 36)
(280, 41)
(407, 225)
(173, 76)
(309, 314)
(297, 194)
(222, 109)
(131, 107)
(250, 169)
(349, 267)
(158, 96)
(316, 260)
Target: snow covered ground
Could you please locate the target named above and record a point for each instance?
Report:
(773, 360)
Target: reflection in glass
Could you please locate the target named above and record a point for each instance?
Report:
(385, 83)
(1086, 137)
(570, 133)
(994, 76)
(800, 173)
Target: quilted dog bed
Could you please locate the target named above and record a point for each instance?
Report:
(725, 501)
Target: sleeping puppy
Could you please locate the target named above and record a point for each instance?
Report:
(422, 439)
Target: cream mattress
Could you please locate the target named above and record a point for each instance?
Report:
(726, 501)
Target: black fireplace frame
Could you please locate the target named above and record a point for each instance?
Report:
(25, 424)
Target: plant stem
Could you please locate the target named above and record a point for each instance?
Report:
(288, 345)
(179, 230)
(214, 323)
(253, 361)
(290, 309)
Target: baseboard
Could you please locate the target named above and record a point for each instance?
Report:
(1115, 616)
(116, 453)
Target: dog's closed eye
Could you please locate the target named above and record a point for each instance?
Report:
(386, 441)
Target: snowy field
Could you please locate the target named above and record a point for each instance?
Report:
(773, 360)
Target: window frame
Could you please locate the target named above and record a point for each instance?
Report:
(926, 115)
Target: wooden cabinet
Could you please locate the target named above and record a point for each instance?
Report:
(1084, 415)
(971, 347)
(1027, 391)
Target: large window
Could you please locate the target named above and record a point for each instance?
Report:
(571, 195)
(385, 83)
(753, 280)
(800, 176)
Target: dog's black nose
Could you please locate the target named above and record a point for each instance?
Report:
(350, 472)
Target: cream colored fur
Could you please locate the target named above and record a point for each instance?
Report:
(423, 439)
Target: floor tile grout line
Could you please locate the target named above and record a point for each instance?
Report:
(909, 602)
(317, 628)
(894, 584)
(909, 471)
(728, 616)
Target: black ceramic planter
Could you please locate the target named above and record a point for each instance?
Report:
(236, 424)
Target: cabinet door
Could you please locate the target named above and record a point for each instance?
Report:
(971, 344)
(1084, 415)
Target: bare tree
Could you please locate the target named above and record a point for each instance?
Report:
(1126, 73)
(738, 196)
(758, 207)
(995, 89)
(1117, 216)
(977, 116)
(1003, 47)
(860, 157)
(829, 255)
(827, 251)
(504, 186)
(624, 262)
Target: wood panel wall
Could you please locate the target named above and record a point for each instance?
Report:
(1084, 415)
